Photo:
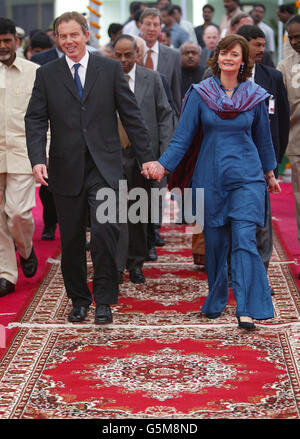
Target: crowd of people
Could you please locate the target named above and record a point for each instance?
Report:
(163, 104)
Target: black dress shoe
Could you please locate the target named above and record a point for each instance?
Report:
(103, 314)
(6, 287)
(29, 266)
(136, 276)
(49, 233)
(78, 314)
(246, 322)
(152, 255)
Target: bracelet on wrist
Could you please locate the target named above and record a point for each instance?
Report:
(268, 177)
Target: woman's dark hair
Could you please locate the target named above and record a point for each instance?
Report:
(226, 44)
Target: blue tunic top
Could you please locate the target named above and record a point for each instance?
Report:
(234, 155)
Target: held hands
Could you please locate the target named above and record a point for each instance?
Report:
(154, 170)
(40, 173)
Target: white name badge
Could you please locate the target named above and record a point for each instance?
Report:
(271, 105)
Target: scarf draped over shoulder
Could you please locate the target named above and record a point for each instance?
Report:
(247, 95)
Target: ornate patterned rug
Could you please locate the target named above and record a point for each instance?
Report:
(161, 358)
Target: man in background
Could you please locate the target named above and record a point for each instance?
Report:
(152, 100)
(191, 69)
(279, 115)
(159, 57)
(232, 9)
(208, 13)
(179, 35)
(258, 13)
(17, 185)
(290, 69)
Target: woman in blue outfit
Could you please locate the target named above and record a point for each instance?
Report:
(235, 167)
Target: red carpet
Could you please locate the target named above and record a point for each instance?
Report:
(161, 358)
(285, 226)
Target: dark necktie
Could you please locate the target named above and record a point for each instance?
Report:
(77, 80)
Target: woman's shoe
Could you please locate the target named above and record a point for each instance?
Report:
(213, 315)
(246, 322)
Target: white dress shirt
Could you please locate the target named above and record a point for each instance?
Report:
(131, 75)
(154, 54)
(82, 69)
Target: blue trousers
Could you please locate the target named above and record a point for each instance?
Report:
(249, 279)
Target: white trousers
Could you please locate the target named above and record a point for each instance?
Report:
(17, 198)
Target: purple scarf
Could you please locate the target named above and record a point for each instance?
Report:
(247, 95)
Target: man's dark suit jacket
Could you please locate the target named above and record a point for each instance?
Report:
(271, 80)
(169, 63)
(77, 124)
(44, 57)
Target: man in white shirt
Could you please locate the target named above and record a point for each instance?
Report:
(17, 185)
(232, 9)
(152, 100)
(185, 24)
(81, 95)
(258, 13)
(290, 69)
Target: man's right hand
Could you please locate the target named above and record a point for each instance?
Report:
(40, 173)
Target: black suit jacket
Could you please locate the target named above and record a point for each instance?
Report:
(271, 80)
(77, 124)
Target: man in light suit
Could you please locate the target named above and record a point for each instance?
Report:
(159, 57)
(157, 113)
(279, 113)
(80, 94)
(17, 185)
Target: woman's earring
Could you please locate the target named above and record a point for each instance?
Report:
(242, 67)
(218, 67)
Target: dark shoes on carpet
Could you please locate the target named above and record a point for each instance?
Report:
(245, 322)
(78, 314)
(152, 255)
(29, 265)
(136, 276)
(49, 233)
(103, 314)
(6, 287)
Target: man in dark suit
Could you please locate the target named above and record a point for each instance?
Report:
(80, 94)
(279, 113)
(191, 70)
(157, 113)
(159, 57)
